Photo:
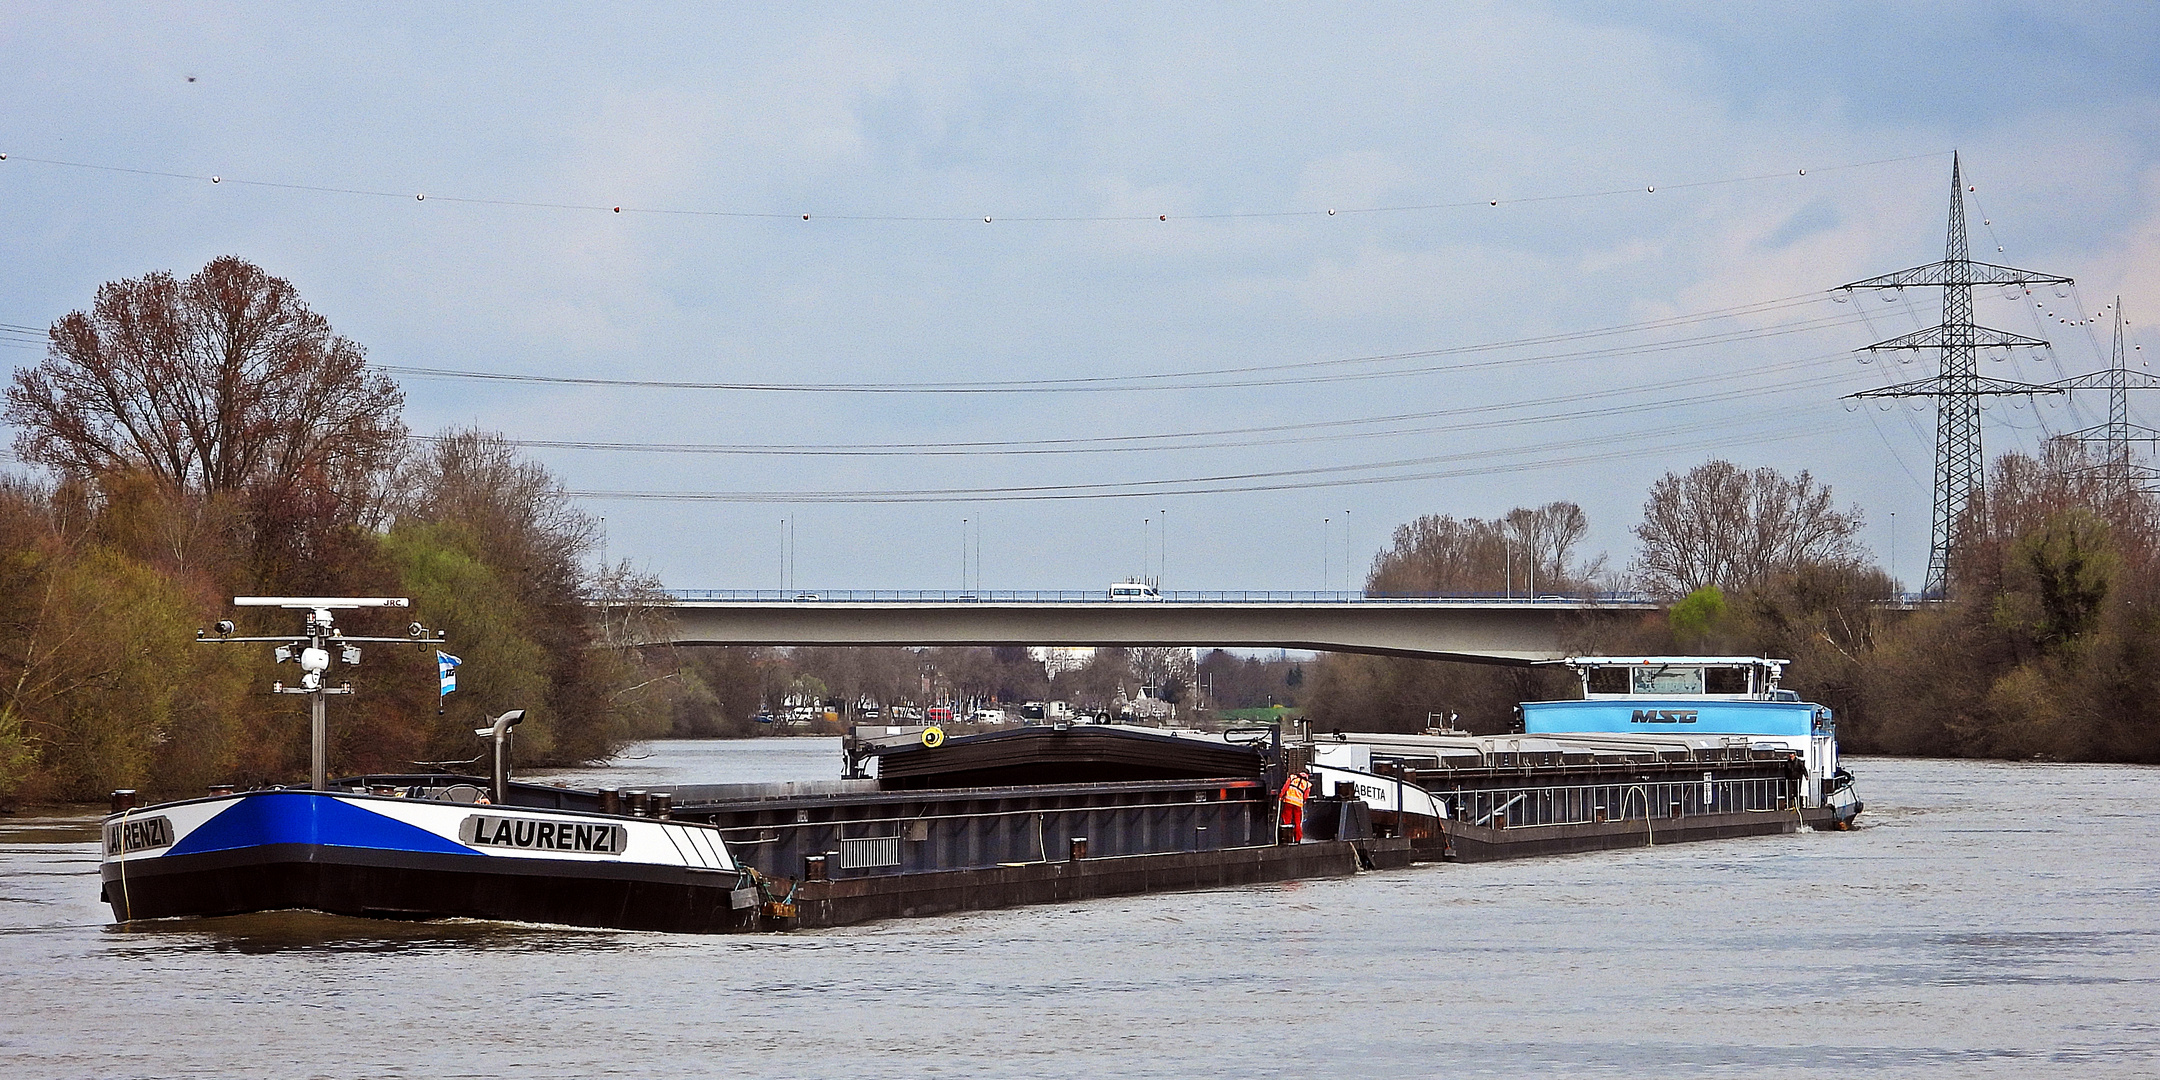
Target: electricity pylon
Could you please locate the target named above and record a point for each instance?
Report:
(2114, 437)
(1958, 388)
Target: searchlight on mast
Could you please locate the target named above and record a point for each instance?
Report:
(311, 648)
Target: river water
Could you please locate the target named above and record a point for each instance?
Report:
(1988, 920)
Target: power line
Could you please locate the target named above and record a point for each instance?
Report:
(1279, 480)
(1126, 443)
(1130, 382)
(1152, 381)
(23, 337)
(970, 218)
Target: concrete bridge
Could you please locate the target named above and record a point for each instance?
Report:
(1477, 629)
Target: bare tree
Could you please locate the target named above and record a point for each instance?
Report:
(1720, 525)
(1168, 670)
(1098, 683)
(1441, 554)
(1437, 553)
(511, 507)
(1543, 540)
(226, 382)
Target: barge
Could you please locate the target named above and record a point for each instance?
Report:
(1052, 813)
(1658, 750)
(421, 848)
(412, 847)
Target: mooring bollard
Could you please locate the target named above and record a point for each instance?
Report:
(1078, 850)
(636, 798)
(123, 800)
(660, 804)
(1200, 838)
(1499, 821)
(1346, 790)
(813, 868)
(1286, 834)
(219, 791)
(610, 800)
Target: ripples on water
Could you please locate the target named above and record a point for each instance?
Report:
(1990, 920)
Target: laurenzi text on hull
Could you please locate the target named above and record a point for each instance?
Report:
(416, 846)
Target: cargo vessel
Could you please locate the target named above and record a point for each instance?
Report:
(415, 846)
(1657, 750)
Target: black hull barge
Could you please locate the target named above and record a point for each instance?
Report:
(719, 858)
(1658, 750)
(1661, 749)
(415, 847)
(422, 848)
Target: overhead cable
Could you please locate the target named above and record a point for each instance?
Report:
(1163, 381)
(1239, 437)
(1279, 480)
(810, 215)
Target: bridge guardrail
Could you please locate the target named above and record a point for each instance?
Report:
(1240, 596)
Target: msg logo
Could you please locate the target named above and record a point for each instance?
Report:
(1664, 716)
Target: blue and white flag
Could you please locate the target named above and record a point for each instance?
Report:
(448, 665)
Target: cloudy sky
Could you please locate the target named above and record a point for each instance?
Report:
(1070, 274)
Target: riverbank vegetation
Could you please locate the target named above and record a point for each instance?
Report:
(212, 436)
(2044, 649)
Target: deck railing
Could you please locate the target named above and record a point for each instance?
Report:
(1582, 804)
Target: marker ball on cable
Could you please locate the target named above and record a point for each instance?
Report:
(217, 179)
(806, 217)
(419, 198)
(618, 209)
(1162, 217)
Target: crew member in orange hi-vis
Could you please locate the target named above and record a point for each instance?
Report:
(1294, 791)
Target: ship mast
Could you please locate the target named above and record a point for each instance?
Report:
(311, 648)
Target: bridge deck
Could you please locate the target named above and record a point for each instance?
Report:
(1478, 629)
(1097, 596)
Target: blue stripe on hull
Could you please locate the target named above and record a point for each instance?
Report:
(291, 817)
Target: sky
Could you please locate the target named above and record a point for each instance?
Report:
(1061, 285)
